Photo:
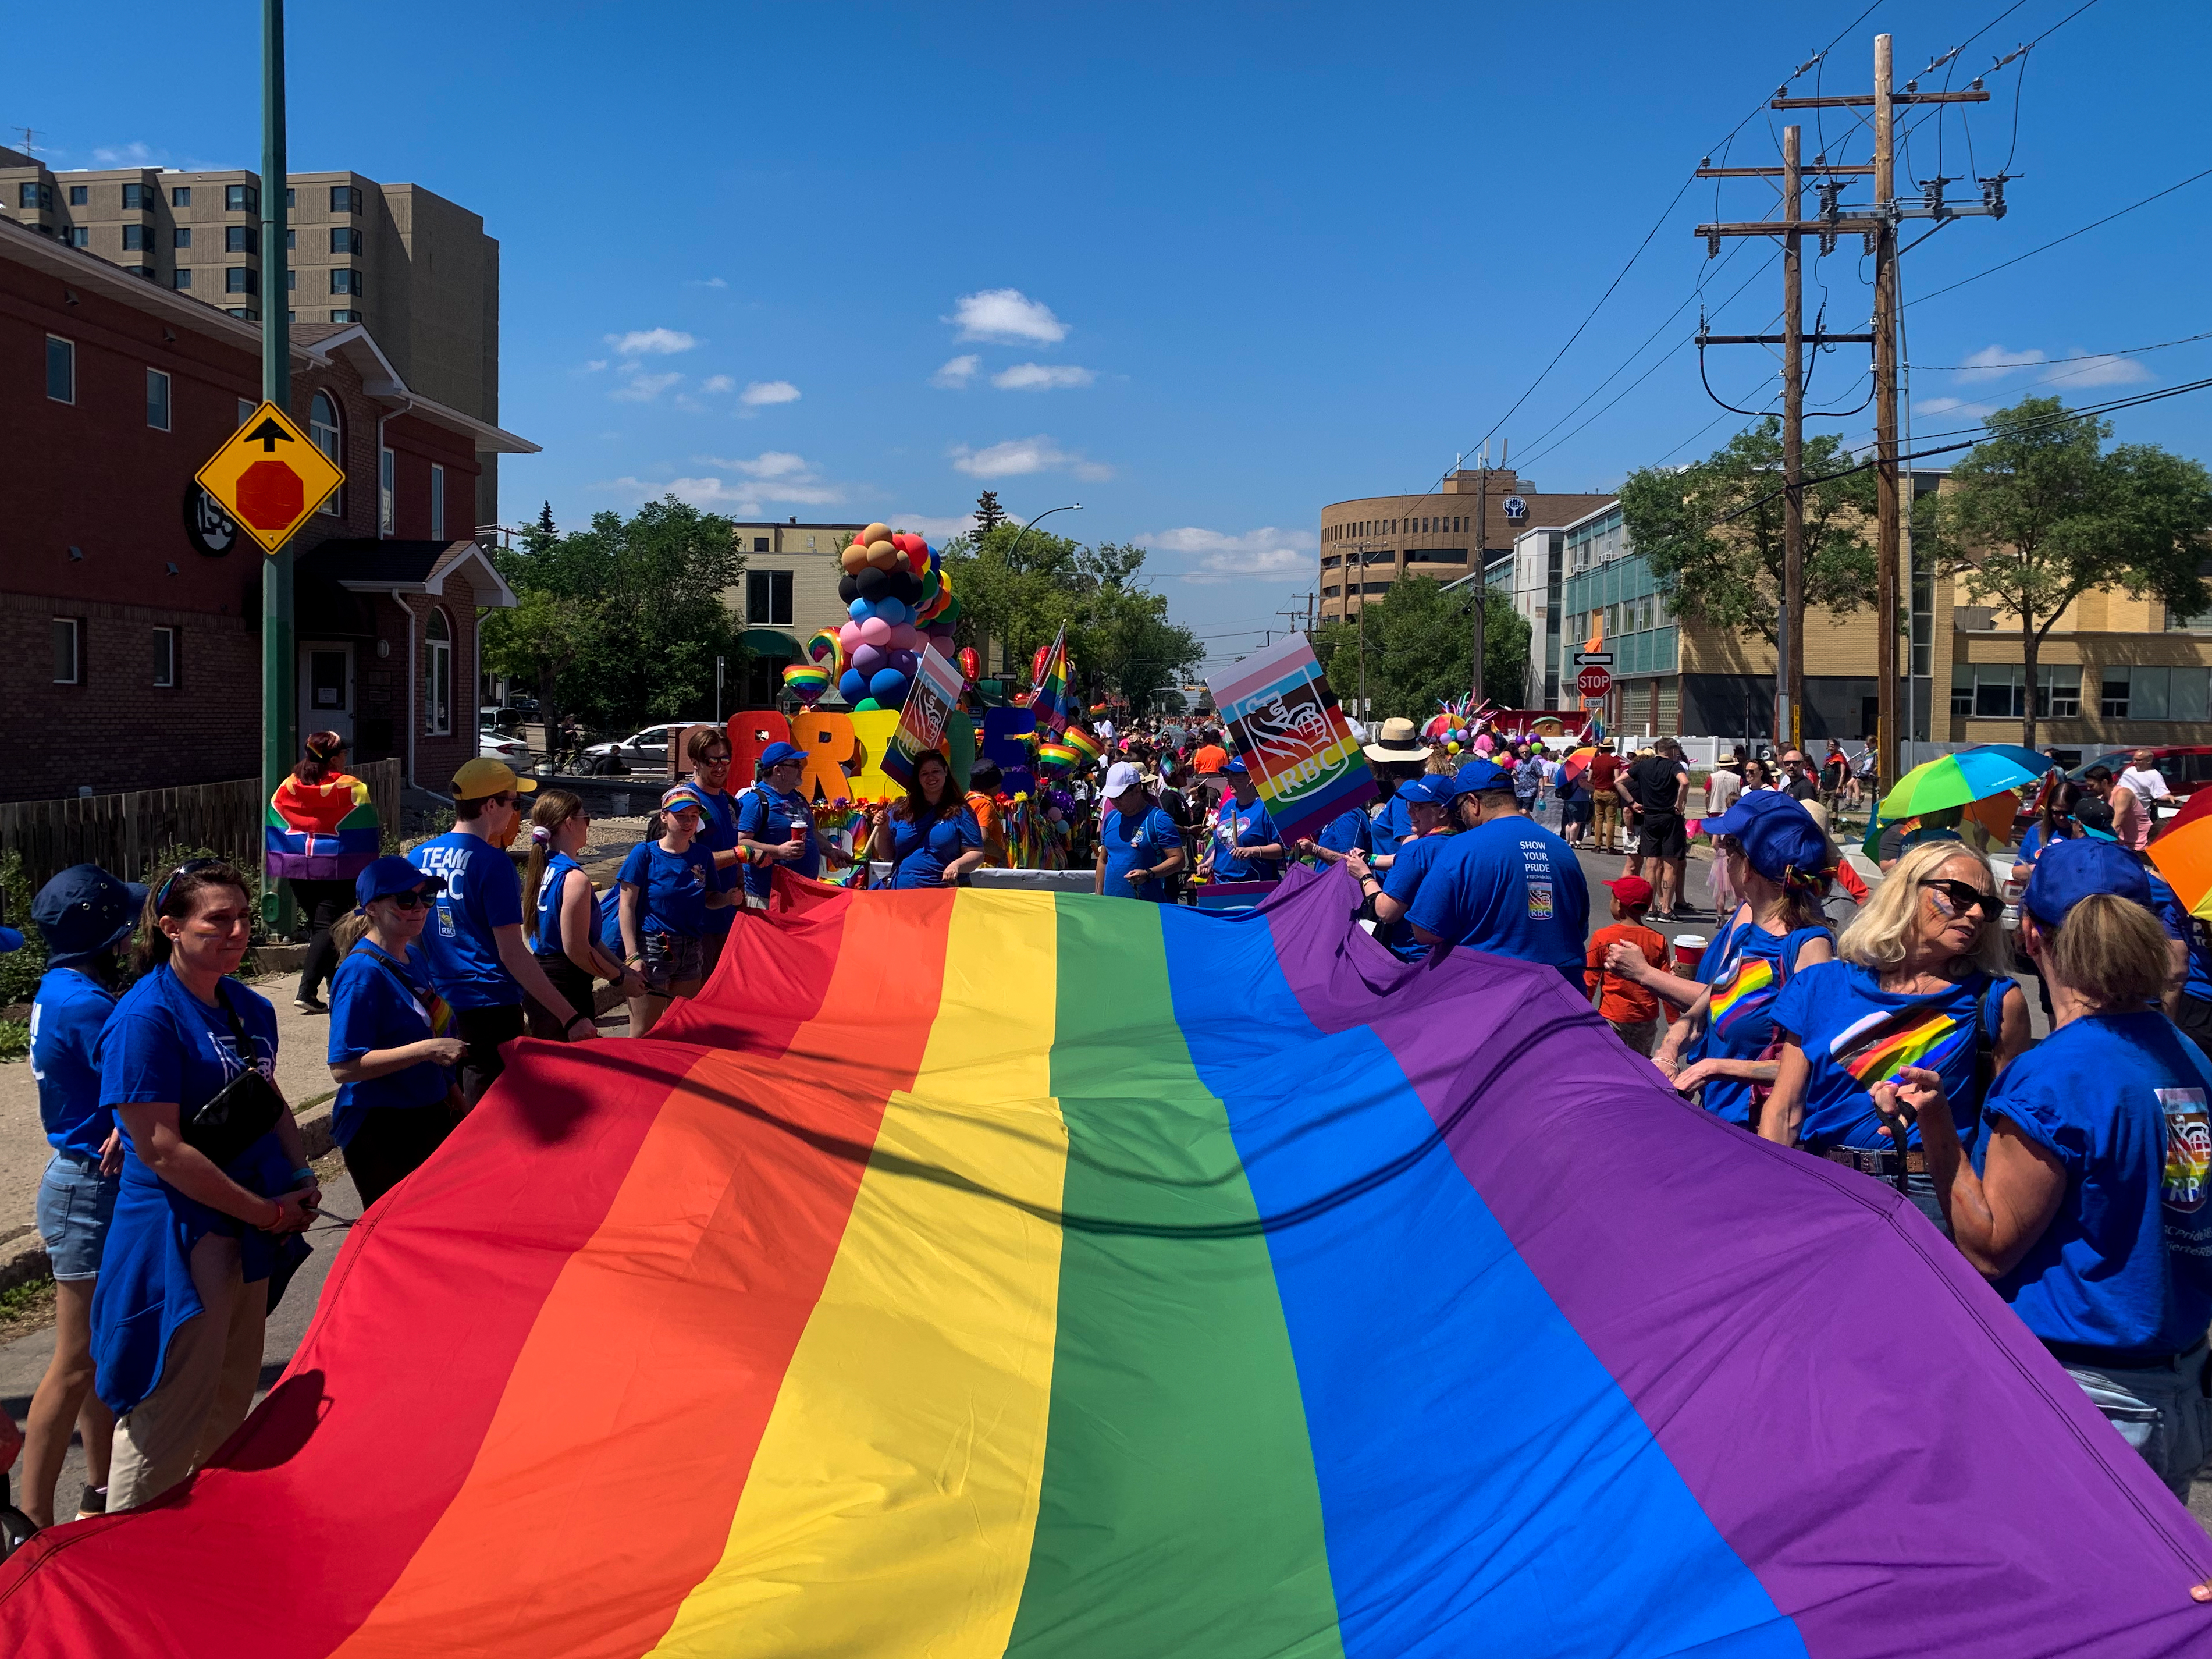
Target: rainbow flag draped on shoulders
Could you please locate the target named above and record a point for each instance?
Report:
(326, 831)
(979, 1273)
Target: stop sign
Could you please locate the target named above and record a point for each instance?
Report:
(1593, 681)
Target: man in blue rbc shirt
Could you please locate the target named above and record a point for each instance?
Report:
(1505, 883)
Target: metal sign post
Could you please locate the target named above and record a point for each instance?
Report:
(280, 739)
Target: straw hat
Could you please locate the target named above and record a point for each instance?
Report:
(1398, 741)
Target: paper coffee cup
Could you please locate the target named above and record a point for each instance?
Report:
(1689, 950)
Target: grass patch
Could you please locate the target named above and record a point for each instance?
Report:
(14, 1039)
(28, 1307)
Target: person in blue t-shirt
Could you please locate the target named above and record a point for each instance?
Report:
(1397, 758)
(1426, 799)
(1922, 980)
(1245, 845)
(1777, 859)
(931, 838)
(772, 809)
(1139, 848)
(2089, 1201)
(390, 1053)
(707, 749)
(84, 914)
(1504, 883)
(667, 888)
(178, 1316)
(480, 959)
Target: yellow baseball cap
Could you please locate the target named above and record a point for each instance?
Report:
(485, 776)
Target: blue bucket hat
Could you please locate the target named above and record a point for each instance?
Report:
(84, 913)
(393, 875)
(1777, 835)
(776, 753)
(1478, 775)
(2068, 872)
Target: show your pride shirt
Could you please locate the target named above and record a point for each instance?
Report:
(1512, 888)
(672, 887)
(483, 891)
(2120, 1100)
(1137, 843)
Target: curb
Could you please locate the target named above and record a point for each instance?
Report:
(24, 1260)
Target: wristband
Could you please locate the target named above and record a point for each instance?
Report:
(303, 1176)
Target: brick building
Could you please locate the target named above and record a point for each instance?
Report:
(131, 612)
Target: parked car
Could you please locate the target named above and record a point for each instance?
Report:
(2187, 768)
(509, 718)
(647, 751)
(493, 744)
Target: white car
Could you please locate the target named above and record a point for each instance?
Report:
(497, 745)
(647, 751)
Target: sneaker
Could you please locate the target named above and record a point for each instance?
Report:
(309, 1006)
(94, 1502)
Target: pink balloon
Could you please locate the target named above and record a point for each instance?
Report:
(905, 636)
(849, 637)
(876, 632)
(942, 644)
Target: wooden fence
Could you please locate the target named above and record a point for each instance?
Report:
(123, 833)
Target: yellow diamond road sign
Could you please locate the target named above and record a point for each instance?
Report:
(269, 477)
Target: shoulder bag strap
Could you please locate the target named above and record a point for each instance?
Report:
(242, 1043)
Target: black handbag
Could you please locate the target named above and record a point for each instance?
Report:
(245, 1108)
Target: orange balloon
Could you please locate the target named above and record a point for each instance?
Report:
(874, 534)
(855, 558)
(883, 555)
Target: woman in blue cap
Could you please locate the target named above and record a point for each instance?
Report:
(931, 838)
(2087, 1202)
(1246, 845)
(1427, 799)
(83, 914)
(178, 1316)
(1776, 859)
(667, 887)
(1924, 980)
(391, 1052)
(775, 824)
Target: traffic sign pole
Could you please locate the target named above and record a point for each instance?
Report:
(280, 700)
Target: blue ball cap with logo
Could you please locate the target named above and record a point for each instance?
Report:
(393, 875)
(1237, 769)
(776, 753)
(1430, 789)
(1477, 775)
(2068, 872)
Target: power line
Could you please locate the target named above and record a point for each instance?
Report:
(2068, 237)
(2086, 357)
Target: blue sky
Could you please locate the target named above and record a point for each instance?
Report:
(1202, 268)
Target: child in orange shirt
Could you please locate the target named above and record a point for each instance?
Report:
(1628, 1007)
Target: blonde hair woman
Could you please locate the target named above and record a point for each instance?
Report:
(1924, 981)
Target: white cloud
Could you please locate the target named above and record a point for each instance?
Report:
(708, 282)
(2106, 370)
(958, 372)
(1040, 377)
(1006, 313)
(700, 492)
(1994, 362)
(770, 392)
(1017, 457)
(777, 474)
(133, 155)
(769, 464)
(653, 341)
(1264, 552)
(644, 388)
(1951, 406)
(595, 365)
(935, 531)
(2076, 367)
(717, 383)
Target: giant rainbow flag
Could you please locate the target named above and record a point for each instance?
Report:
(977, 1273)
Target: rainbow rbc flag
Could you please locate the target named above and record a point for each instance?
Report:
(981, 1272)
(1284, 721)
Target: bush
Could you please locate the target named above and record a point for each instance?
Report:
(20, 969)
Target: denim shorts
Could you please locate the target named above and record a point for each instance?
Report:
(75, 1204)
(2161, 1412)
(671, 959)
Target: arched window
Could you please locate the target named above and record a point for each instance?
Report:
(437, 675)
(324, 428)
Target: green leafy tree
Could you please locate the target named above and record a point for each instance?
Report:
(2042, 512)
(633, 617)
(1419, 649)
(539, 641)
(1729, 575)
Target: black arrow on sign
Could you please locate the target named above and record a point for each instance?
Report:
(268, 434)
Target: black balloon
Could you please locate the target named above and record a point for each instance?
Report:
(872, 584)
(848, 589)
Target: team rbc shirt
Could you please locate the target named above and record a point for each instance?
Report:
(483, 891)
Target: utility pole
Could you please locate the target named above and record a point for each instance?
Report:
(1298, 615)
(1878, 226)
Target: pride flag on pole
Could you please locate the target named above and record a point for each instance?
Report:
(979, 1272)
(1286, 725)
(1054, 704)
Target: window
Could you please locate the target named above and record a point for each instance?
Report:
(242, 279)
(37, 196)
(760, 543)
(767, 598)
(1997, 690)
(385, 511)
(61, 370)
(437, 503)
(80, 196)
(137, 238)
(180, 195)
(345, 281)
(345, 239)
(78, 236)
(165, 656)
(69, 658)
(138, 198)
(241, 239)
(183, 279)
(345, 198)
(241, 198)
(291, 241)
(291, 278)
(323, 429)
(244, 313)
(181, 237)
(291, 200)
(437, 676)
(345, 316)
(245, 408)
(2112, 700)
(157, 400)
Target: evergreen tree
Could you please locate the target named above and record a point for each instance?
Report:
(989, 515)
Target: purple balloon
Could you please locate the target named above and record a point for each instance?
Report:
(868, 658)
(904, 661)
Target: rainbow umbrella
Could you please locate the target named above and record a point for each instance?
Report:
(1578, 763)
(1959, 780)
(2183, 853)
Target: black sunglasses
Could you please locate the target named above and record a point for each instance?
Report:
(415, 898)
(189, 867)
(1966, 895)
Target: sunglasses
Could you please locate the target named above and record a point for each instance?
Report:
(1965, 895)
(189, 867)
(415, 898)
(714, 760)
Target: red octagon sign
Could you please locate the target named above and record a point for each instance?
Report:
(1593, 681)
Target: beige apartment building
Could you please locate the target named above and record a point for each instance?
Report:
(416, 268)
(1434, 535)
(789, 591)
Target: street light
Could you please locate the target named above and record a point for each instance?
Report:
(1073, 507)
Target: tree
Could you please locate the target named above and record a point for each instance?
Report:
(1420, 649)
(1729, 575)
(539, 641)
(542, 533)
(989, 515)
(2042, 512)
(634, 615)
